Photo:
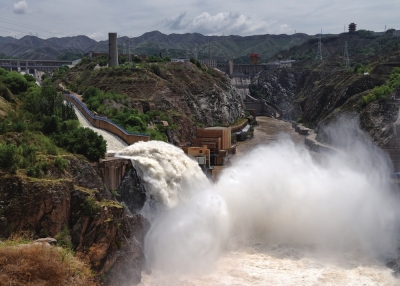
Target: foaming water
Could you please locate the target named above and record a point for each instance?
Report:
(274, 217)
(169, 175)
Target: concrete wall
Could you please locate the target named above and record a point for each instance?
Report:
(262, 109)
(112, 171)
(106, 124)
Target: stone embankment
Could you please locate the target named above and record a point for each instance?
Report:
(311, 139)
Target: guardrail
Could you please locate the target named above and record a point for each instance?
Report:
(104, 123)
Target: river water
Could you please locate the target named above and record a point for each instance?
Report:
(275, 217)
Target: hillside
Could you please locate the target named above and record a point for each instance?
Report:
(187, 95)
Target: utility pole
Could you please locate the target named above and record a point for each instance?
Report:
(319, 52)
(346, 55)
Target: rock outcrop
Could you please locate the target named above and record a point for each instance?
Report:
(191, 95)
(101, 232)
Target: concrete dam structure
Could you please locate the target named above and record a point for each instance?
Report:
(241, 76)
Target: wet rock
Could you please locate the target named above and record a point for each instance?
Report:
(132, 192)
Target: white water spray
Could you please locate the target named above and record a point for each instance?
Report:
(276, 195)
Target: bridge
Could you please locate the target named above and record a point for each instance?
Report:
(30, 65)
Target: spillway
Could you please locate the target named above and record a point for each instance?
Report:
(114, 143)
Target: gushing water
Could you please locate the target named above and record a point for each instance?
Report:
(276, 215)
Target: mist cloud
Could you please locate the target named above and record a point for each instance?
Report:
(20, 7)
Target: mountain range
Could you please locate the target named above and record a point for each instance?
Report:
(153, 43)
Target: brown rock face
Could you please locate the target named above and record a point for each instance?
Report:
(101, 232)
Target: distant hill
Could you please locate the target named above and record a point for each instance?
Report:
(173, 45)
(219, 47)
(6, 40)
(363, 46)
(31, 47)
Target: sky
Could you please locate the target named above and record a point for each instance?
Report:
(95, 18)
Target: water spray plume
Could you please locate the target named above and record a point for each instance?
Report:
(276, 194)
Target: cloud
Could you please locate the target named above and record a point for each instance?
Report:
(20, 7)
(98, 36)
(174, 23)
(225, 23)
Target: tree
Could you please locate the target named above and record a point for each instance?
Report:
(84, 141)
(15, 82)
(29, 78)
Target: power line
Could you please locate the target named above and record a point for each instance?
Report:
(25, 26)
(12, 30)
(319, 52)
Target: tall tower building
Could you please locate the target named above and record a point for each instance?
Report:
(112, 50)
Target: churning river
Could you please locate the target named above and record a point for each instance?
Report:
(278, 215)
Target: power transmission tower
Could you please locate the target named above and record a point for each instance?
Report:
(195, 54)
(124, 48)
(129, 51)
(319, 52)
(346, 55)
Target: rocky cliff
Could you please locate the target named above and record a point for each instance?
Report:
(319, 93)
(100, 231)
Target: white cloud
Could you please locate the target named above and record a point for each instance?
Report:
(20, 7)
(98, 36)
(225, 23)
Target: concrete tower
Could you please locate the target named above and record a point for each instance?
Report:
(112, 50)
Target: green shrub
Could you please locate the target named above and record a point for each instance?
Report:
(34, 171)
(64, 238)
(89, 207)
(60, 163)
(44, 166)
(156, 70)
(9, 158)
(6, 94)
(15, 82)
(83, 141)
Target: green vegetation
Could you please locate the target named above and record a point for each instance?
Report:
(38, 123)
(64, 238)
(89, 207)
(383, 91)
(128, 118)
(68, 56)
(60, 163)
(83, 141)
(359, 68)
